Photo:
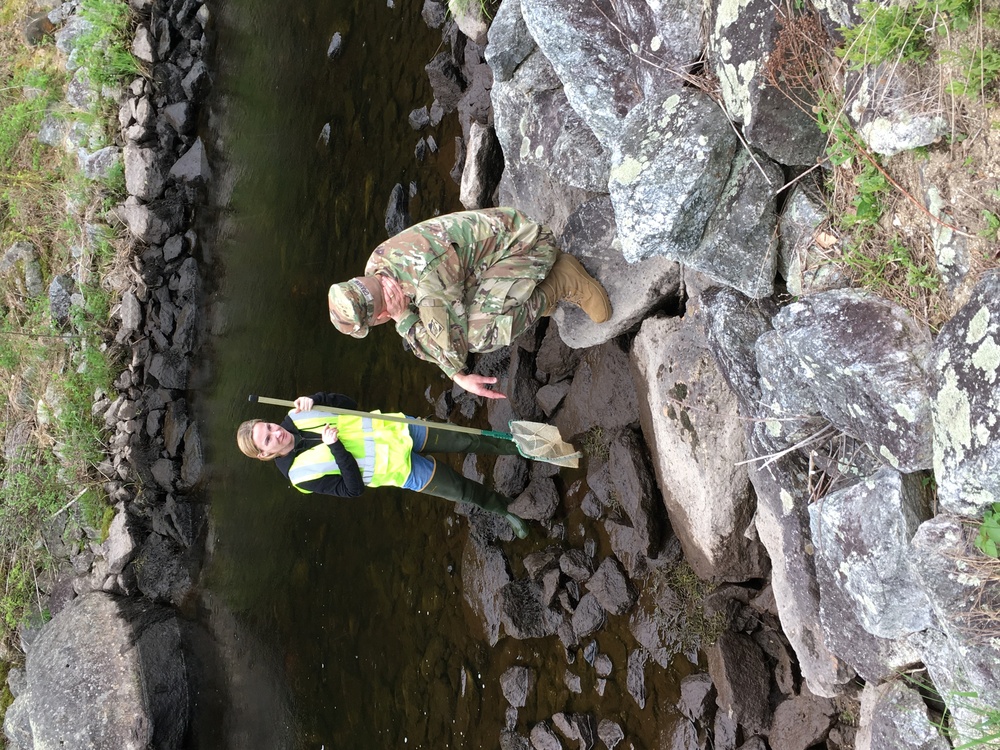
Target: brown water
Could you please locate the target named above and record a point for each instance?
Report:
(341, 623)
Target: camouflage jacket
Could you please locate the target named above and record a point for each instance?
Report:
(465, 274)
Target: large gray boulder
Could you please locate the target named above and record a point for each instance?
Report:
(105, 672)
(552, 160)
(590, 58)
(862, 539)
(742, 40)
(145, 172)
(690, 421)
(634, 289)
(509, 41)
(870, 597)
(740, 243)
(962, 657)
(670, 161)
(864, 361)
(782, 523)
(894, 715)
(966, 395)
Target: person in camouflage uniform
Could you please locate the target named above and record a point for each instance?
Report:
(470, 281)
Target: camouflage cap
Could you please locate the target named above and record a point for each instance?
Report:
(351, 307)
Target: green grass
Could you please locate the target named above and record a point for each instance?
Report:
(52, 374)
(980, 70)
(104, 49)
(891, 33)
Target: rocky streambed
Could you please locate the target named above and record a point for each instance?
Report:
(818, 461)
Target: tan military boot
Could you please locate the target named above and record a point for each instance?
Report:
(569, 281)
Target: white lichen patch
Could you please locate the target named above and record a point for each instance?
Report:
(983, 434)
(655, 43)
(525, 147)
(978, 326)
(905, 412)
(953, 418)
(635, 48)
(967, 579)
(627, 172)
(735, 82)
(987, 358)
(725, 49)
(539, 152)
(787, 501)
(728, 13)
(887, 455)
(669, 105)
(891, 425)
(773, 427)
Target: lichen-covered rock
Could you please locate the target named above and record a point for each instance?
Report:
(893, 108)
(552, 161)
(963, 664)
(742, 40)
(893, 715)
(864, 360)
(670, 161)
(509, 42)
(862, 539)
(966, 400)
(590, 58)
(740, 244)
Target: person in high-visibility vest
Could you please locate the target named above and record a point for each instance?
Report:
(342, 455)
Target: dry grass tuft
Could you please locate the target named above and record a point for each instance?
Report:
(880, 234)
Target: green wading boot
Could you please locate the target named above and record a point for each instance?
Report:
(450, 485)
(446, 441)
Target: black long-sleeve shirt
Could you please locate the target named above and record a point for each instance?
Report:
(348, 483)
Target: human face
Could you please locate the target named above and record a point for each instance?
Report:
(272, 439)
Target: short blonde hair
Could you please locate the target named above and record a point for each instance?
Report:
(244, 439)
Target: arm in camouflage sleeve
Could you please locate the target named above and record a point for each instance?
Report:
(415, 334)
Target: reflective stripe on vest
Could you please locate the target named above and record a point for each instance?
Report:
(382, 449)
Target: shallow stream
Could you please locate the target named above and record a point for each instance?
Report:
(341, 623)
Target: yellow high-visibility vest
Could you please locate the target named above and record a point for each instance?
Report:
(382, 449)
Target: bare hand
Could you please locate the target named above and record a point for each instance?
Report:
(477, 384)
(303, 403)
(329, 435)
(393, 297)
